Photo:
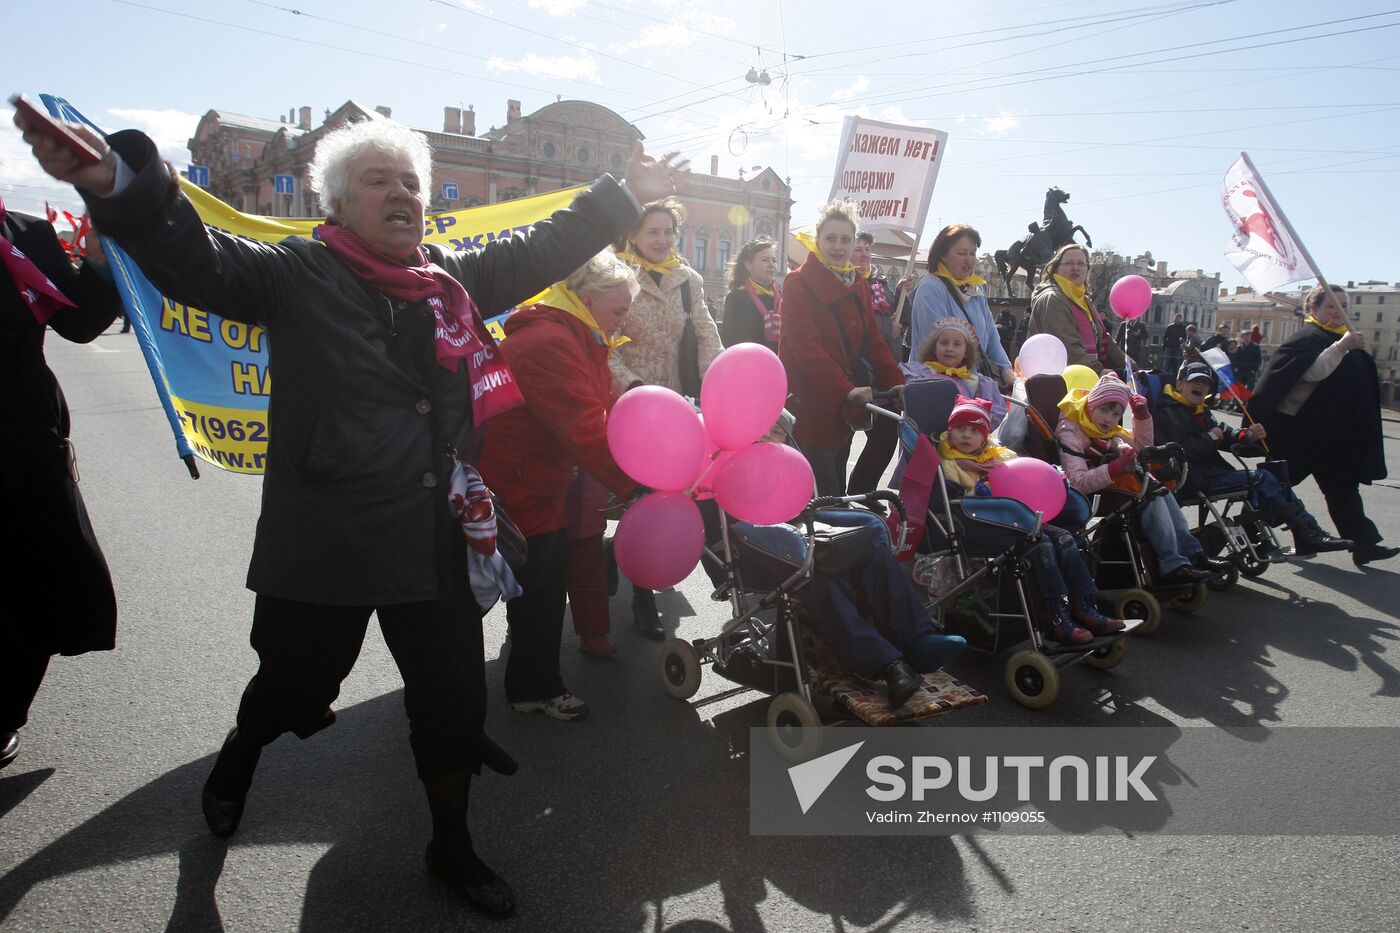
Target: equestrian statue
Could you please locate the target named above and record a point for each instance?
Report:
(1036, 248)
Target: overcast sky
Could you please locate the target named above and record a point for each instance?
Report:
(1136, 107)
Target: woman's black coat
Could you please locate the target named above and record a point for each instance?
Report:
(354, 507)
(55, 575)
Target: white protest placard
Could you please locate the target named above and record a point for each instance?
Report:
(889, 171)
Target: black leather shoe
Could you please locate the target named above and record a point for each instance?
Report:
(903, 682)
(223, 816)
(9, 747)
(645, 618)
(1308, 543)
(1215, 566)
(490, 894)
(1364, 554)
(1186, 575)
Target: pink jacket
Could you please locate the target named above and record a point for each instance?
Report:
(1083, 477)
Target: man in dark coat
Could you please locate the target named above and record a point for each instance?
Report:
(1248, 357)
(1172, 351)
(1320, 400)
(56, 562)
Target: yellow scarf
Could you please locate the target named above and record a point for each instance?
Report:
(1338, 329)
(809, 241)
(666, 266)
(973, 279)
(958, 372)
(1075, 407)
(989, 452)
(566, 299)
(759, 289)
(1170, 391)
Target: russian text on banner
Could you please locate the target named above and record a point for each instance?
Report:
(889, 171)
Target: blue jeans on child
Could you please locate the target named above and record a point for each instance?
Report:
(1166, 530)
(1265, 490)
(1059, 567)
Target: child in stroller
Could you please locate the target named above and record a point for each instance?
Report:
(1071, 596)
(951, 352)
(1098, 454)
(1181, 415)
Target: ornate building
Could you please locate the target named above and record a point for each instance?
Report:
(258, 165)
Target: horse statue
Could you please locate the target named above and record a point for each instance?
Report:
(1036, 248)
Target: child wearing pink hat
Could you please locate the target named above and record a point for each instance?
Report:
(1098, 453)
(1069, 591)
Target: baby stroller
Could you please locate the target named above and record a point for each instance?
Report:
(1226, 521)
(762, 646)
(974, 561)
(1121, 559)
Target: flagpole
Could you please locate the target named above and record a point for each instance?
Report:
(1302, 247)
(907, 293)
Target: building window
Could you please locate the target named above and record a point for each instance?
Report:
(766, 183)
(702, 245)
(549, 151)
(1379, 315)
(1380, 299)
(724, 247)
(583, 153)
(616, 160)
(1356, 299)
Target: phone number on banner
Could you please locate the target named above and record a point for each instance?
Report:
(234, 439)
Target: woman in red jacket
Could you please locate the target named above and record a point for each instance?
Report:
(558, 351)
(832, 348)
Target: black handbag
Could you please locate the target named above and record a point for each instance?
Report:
(510, 540)
(688, 354)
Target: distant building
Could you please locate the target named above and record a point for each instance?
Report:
(1277, 317)
(258, 165)
(1375, 311)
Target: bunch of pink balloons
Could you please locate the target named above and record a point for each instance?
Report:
(1130, 296)
(659, 440)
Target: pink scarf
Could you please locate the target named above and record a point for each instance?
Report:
(879, 297)
(772, 318)
(461, 333)
(40, 294)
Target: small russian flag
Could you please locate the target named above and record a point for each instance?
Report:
(1219, 361)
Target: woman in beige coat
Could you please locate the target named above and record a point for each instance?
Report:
(672, 339)
(1060, 306)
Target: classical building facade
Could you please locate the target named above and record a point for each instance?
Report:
(1375, 311)
(259, 166)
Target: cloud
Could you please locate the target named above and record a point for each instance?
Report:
(999, 125)
(659, 35)
(556, 7)
(475, 6)
(858, 86)
(582, 67)
(171, 130)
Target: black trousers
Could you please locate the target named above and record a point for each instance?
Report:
(880, 443)
(536, 619)
(305, 650)
(21, 672)
(1348, 513)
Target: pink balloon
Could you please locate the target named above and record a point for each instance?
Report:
(764, 484)
(1042, 354)
(1033, 482)
(659, 540)
(742, 395)
(1130, 296)
(656, 437)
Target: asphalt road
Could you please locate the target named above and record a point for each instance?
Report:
(636, 819)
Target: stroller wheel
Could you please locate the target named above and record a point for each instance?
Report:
(1107, 657)
(1221, 584)
(1139, 604)
(1252, 568)
(1033, 680)
(794, 727)
(1194, 602)
(680, 668)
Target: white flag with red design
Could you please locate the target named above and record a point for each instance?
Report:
(1265, 250)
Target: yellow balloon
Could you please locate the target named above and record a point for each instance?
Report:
(1079, 376)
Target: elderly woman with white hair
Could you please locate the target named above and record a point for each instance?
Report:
(384, 375)
(531, 451)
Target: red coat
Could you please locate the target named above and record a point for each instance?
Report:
(815, 304)
(530, 452)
